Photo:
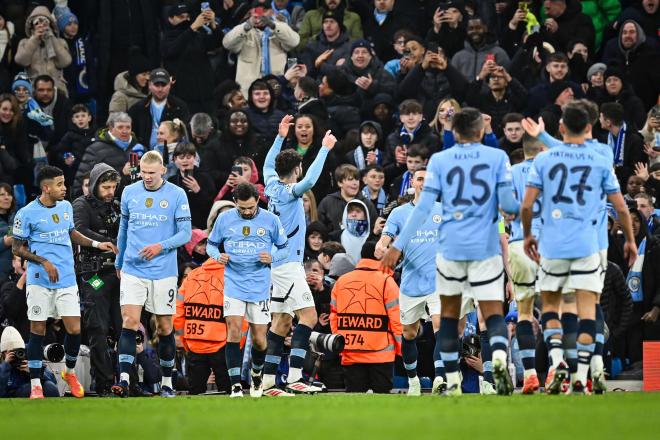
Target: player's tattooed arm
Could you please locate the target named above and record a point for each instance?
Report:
(20, 249)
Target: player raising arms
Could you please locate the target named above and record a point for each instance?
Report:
(155, 221)
(472, 180)
(242, 239)
(418, 297)
(43, 233)
(572, 177)
(291, 294)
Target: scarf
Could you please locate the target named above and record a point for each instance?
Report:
(634, 278)
(617, 145)
(380, 16)
(405, 183)
(381, 201)
(281, 11)
(359, 157)
(406, 136)
(80, 62)
(156, 111)
(121, 144)
(265, 51)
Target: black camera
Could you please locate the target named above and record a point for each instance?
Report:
(19, 357)
(471, 346)
(322, 342)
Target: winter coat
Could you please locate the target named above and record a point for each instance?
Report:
(616, 301)
(383, 81)
(32, 52)
(450, 40)
(572, 25)
(74, 141)
(185, 58)
(514, 100)
(126, 95)
(331, 210)
(102, 150)
(602, 13)
(140, 114)
(341, 47)
(431, 86)
(6, 222)
(633, 107)
(247, 45)
(344, 112)
(200, 203)
(265, 124)
(312, 24)
(470, 60)
(382, 35)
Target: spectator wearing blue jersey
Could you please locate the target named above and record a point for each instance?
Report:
(473, 181)
(291, 295)
(247, 240)
(43, 234)
(155, 221)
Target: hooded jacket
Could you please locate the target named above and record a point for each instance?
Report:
(95, 218)
(44, 56)
(352, 242)
(103, 150)
(640, 64)
(263, 123)
(331, 213)
(125, 95)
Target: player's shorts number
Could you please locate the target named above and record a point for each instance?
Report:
(458, 173)
(170, 293)
(264, 306)
(561, 171)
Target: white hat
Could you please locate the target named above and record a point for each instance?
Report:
(11, 340)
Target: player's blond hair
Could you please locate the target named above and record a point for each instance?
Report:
(152, 157)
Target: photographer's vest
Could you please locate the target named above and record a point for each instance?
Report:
(199, 316)
(360, 303)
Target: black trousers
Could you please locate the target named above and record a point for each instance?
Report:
(200, 367)
(101, 317)
(362, 377)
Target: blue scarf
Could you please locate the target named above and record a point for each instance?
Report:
(121, 144)
(281, 11)
(80, 61)
(358, 157)
(265, 51)
(380, 202)
(618, 145)
(380, 16)
(406, 136)
(405, 183)
(634, 280)
(156, 115)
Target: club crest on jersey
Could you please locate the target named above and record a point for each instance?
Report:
(437, 218)
(261, 232)
(66, 216)
(246, 230)
(149, 202)
(163, 204)
(556, 214)
(56, 218)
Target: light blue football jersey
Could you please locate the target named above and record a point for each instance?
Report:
(288, 206)
(519, 174)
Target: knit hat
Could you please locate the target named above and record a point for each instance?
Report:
(65, 18)
(362, 43)
(21, 79)
(337, 15)
(11, 339)
(138, 63)
(614, 71)
(556, 89)
(594, 69)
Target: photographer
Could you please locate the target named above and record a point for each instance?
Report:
(14, 372)
(96, 215)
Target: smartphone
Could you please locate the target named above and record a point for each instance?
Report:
(290, 62)
(187, 173)
(450, 113)
(432, 46)
(523, 6)
(237, 169)
(205, 6)
(407, 53)
(490, 57)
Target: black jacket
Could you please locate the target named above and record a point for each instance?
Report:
(74, 141)
(633, 107)
(616, 301)
(424, 136)
(94, 218)
(344, 112)
(383, 81)
(515, 100)
(140, 114)
(431, 86)
(331, 210)
(382, 35)
(200, 203)
(633, 152)
(185, 57)
(103, 150)
(572, 24)
(341, 49)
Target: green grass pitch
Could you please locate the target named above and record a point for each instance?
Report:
(620, 416)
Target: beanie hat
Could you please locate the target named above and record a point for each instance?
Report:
(138, 63)
(21, 79)
(614, 71)
(336, 15)
(196, 237)
(65, 18)
(11, 339)
(362, 43)
(598, 67)
(556, 88)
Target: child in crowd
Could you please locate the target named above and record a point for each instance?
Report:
(373, 178)
(70, 150)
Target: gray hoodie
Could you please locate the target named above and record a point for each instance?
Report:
(351, 242)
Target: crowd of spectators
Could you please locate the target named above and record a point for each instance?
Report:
(207, 83)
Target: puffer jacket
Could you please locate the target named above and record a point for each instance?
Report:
(602, 13)
(125, 94)
(32, 52)
(616, 301)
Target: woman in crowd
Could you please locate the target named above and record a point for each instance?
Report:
(7, 211)
(239, 138)
(310, 205)
(14, 154)
(442, 122)
(132, 85)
